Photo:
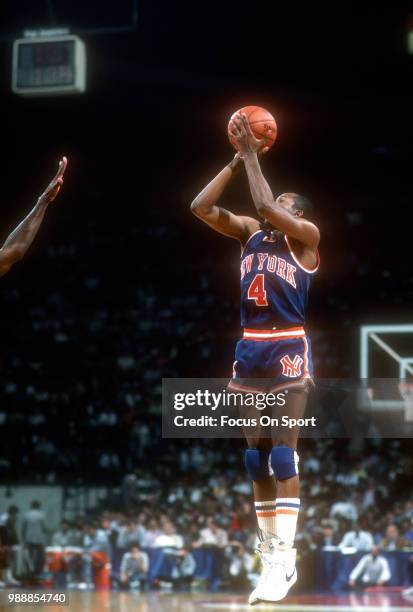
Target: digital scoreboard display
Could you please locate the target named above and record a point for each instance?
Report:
(49, 65)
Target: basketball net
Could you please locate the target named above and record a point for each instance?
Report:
(406, 391)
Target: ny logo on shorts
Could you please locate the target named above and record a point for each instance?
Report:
(291, 368)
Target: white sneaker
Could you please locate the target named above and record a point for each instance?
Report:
(10, 579)
(82, 586)
(278, 573)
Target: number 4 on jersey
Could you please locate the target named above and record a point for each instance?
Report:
(256, 291)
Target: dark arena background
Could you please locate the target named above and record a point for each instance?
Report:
(123, 287)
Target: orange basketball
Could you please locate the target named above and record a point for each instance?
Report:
(262, 124)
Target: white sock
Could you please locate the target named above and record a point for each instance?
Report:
(287, 509)
(267, 518)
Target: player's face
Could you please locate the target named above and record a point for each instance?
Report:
(286, 200)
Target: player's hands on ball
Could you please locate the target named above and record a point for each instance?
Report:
(51, 191)
(244, 136)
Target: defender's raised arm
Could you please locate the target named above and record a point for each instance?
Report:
(18, 242)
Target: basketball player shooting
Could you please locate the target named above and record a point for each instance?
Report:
(18, 242)
(279, 255)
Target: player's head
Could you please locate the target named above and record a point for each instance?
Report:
(297, 205)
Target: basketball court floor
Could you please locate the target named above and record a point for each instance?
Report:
(204, 602)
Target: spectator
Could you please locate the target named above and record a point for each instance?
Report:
(345, 509)
(213, 540)
(169, 538)
(95, 540)
(128, 535)
(130, 493)
(407, 530)
(212, 535)
(362, 541)
(369, 496)
(183, 570)
(8, 522)
(372, 570)
(63, 537)
(9, 539)
(326, 536)
(78, 532)
(134, 568)
(151, 534)
(240, 566)
(393, 540)
(408, 511)
(34, 534)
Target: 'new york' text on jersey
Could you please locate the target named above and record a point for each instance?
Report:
(274, 285)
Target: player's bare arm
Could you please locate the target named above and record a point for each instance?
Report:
(221, 220)
(292, 225)
(20, 239)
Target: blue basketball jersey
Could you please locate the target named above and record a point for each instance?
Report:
(274, 285)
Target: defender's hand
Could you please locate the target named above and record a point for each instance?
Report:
(54, 186)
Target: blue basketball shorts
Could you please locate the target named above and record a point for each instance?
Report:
(270, 360)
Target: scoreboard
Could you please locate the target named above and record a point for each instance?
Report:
(49, 65)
